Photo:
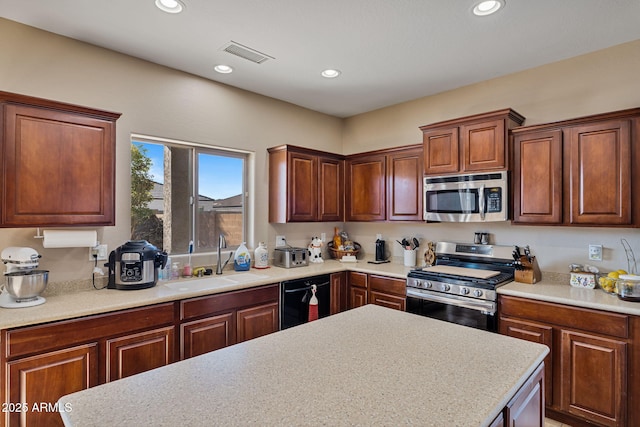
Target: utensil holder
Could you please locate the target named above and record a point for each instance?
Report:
(409, 258)
(530, 272)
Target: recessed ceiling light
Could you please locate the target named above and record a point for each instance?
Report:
(224, 69)
(170, 6)
(487, 7)
(330, 73)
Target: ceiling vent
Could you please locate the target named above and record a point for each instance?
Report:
(246, 52)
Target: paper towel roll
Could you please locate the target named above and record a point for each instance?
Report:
(69, 238)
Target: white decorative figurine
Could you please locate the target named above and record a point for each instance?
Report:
(315, 250)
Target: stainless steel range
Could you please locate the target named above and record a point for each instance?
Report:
(461, 286)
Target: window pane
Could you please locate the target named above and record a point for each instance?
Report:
(163, 210)
(220, 204)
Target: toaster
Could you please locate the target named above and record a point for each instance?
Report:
(289, 257)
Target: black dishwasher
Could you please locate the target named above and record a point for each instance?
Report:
(295, 296)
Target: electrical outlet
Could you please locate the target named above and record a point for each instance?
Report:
(595, 252)
(281, 241)
(100, 251)
(378, 236)
(323, 237)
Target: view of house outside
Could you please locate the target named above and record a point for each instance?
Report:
(162, 181)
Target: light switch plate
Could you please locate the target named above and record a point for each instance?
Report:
(595, 252)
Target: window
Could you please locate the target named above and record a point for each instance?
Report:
(187, 192)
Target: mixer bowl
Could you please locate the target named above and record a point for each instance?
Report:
(26, 285)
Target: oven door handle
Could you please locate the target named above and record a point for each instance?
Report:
(486, 307)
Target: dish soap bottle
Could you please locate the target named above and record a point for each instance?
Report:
(242, 259)
(262, 256)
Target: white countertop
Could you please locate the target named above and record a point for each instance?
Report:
(563, 293)
(367, 366)
(78, 304)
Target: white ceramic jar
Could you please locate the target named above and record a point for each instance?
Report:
(261, 255)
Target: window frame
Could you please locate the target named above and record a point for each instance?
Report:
(248, 158)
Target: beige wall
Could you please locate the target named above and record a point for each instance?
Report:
(162, 102)
(155, 101)
(590, 84)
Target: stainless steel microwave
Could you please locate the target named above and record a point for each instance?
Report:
(482, 197)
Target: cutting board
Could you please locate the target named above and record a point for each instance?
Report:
(462, 271)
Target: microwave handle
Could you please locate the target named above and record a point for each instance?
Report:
(482, 202)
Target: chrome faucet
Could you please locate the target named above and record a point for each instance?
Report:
(222, 244)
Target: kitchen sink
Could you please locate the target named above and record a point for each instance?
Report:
(208, 283)
(201, 284)
(247, 277)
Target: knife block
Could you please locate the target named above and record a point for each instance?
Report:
(530, 272)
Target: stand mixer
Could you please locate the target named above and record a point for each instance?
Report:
(23, 283)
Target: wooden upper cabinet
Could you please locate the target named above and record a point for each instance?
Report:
(470, 144)
(441, 151)
(404, 184)
(385, 185)
(578, 172)
(600, 173)
(302, 183)
(537, 177)
(58, 163)
(366, 188)
(305, 185)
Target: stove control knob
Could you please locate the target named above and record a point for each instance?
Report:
(464, 291)
(428, 285)
(477, 293)
(418, 283)
(445, 287)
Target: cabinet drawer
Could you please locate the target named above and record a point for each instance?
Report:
(358, 279)
(41, 338)
(602, 322)
(211, 304)
(388, 285)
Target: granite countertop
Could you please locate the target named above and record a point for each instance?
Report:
(366, 366)
(68, 305)
(556, 288)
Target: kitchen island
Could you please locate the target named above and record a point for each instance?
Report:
(367, 366)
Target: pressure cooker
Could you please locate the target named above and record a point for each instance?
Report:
(135, 265)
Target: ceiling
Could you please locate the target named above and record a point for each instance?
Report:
(389, 51)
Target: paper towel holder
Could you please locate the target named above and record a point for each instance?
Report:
(90, 241)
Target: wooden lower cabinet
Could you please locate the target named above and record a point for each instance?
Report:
(205, 335)
(526, 408)
(132, 354)
(35, 383)
(591, 363)
(338, 292)
(254, 322)
(212, 322)
(375, 289)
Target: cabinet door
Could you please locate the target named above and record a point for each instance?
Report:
(527, 406)
(357, 297)
(338, 295)
(387, 300)
(441, 151)
(538, 333)
(131, 354)
(404, 174)
(593, 378)
(330, 189)
(483, 146)
(537, 178)
(366, 189)
(43, 379)
(59, 168)
(600, 173)
(257, 321)
(302, 187)
(205, 335)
